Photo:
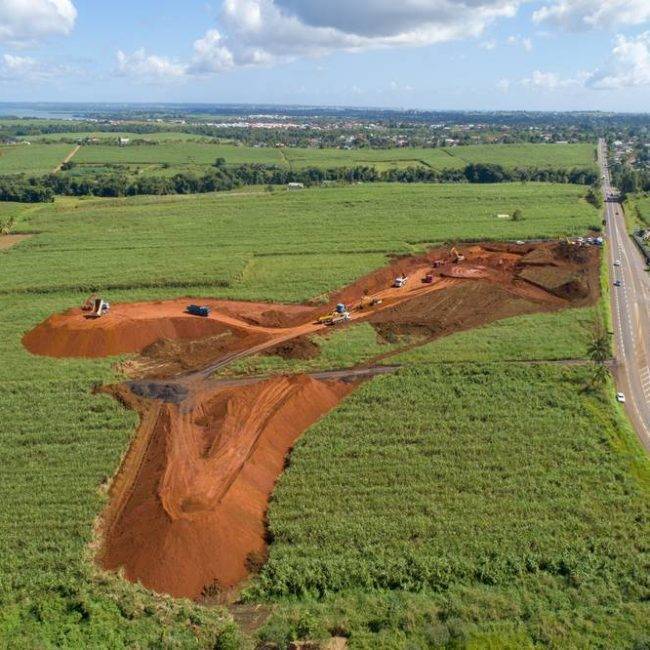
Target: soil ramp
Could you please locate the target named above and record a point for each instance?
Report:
(191, 513)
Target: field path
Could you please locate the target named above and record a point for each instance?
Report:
(67, 159)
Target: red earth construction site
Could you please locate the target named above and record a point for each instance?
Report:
(187, 506)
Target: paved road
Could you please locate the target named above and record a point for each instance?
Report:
(630, 310)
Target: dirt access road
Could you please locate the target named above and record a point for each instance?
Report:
(67, 159)
(187, 507)
(630, 309)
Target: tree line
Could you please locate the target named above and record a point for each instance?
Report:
(219, 178)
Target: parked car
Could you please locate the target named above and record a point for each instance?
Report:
(620, 397)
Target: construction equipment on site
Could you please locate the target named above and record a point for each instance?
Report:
(335, 317)
(456, 256)
(197, 310)
(437, 264)
(368, 301)
(400, 281)
(89, 303)
(428, 278)
(100, 308)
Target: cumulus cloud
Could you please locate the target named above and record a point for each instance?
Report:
(580, 15)
(629, 64)
(28, 69)
(211, 55)
(390, 19)
(261, 32)
(547, 81)
(26, 21)
(148, 66)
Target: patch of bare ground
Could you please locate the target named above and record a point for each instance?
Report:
(8, 241)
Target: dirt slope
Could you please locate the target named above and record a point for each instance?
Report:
(193, 508)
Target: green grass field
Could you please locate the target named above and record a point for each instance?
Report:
(488, 492)
(193, 154)
(510, 156)
(175, 154)
(291, 245)
(468, 505)
(105, 136)
(32, 159)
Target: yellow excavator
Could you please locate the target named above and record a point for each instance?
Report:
(94, 306)
(456, 256)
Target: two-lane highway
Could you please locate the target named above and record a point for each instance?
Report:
(630, 309)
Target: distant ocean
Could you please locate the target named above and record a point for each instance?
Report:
(33, 111)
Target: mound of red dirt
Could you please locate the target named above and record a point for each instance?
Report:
(299, 348)
(168, 357)
(459, 307)
(187, 508)
(72, 334)
(132, 327)
(539, 257)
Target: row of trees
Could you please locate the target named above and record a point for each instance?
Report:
(222, 178)
(631, 181)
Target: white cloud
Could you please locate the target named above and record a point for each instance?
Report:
(488, 45)
(579, 15)
(542, 80)
(261, 32)
(521, 41)
(504, 85)
(629, 64)
(148, 66)
(26, 21)
(28, 69)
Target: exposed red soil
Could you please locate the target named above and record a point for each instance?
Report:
(461, 307)
(132, 327)
(188, 507)
(299, 348)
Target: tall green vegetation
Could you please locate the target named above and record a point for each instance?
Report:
(487, 488)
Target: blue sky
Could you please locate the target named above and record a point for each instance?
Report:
(435, 54)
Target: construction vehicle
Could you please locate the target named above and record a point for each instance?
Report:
(338, 317)
(197, 310)
(335, 317)
(95, 307)
(100, 308)
(89, 303)
(400, 281)
(437, 264)
(367, 302)
(428, 278)
(456, 256)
